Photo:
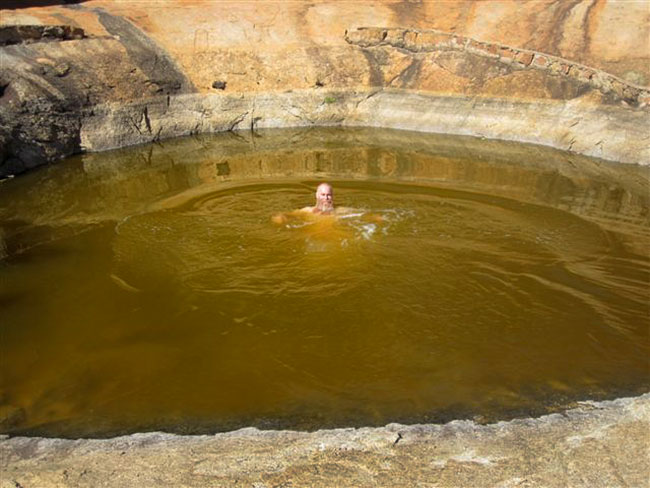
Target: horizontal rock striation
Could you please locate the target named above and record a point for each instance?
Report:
(423, 41)
(607, 132)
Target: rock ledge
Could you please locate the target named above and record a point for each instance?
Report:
(598, 444)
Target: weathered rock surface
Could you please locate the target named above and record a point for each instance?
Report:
(607, 132)
(462, 55)
(123, 54)
(595, 445)
(47, 87)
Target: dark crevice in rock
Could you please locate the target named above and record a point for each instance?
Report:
(376, 75)
(18, 34)
(560, 15)
(16, 4)
(586, 21)
(145, 114)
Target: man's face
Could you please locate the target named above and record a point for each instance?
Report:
(324, 197)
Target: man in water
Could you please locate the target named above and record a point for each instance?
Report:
(324, 206)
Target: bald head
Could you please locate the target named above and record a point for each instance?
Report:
(324, 198)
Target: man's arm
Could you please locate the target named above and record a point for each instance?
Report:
(283, 217)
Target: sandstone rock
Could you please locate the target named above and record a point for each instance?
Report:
(395, 37)
(62, 69)
(507, 54)
(559, 67)
(540, 61)
(366, 36)
(524, 58)
(434, 40)
(140, 54)
(581, 73)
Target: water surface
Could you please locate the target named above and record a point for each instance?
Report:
(148, 289)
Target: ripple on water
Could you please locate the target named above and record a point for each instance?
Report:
(466, 293)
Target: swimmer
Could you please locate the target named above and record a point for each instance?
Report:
(324, 207)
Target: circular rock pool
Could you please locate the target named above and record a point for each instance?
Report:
(149, 288)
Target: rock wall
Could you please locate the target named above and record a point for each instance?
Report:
(71, 72)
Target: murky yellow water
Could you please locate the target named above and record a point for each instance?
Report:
(148, 289)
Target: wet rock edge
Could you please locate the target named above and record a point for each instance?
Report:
(591, 445)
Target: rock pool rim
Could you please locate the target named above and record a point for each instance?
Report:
(607, 132)
(149, 437)
(554, 450)
(255, 430)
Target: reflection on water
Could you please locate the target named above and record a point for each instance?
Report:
(149, 289)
